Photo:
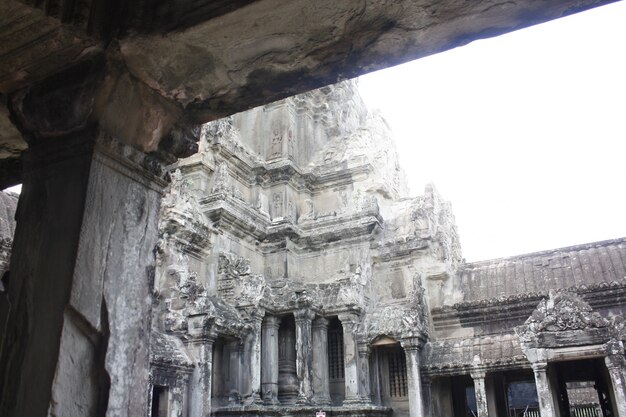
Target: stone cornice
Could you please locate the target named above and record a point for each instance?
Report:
(520, 306)
(241, 219)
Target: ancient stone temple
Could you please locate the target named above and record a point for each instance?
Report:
(295, 274)
(98, 97)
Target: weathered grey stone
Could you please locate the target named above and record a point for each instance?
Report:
(274, 257)
(296, 213)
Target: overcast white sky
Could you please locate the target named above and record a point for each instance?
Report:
(524, 133)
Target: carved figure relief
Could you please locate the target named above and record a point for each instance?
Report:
(277, 204)
(291, 146)
(276, 150)
(220, 182)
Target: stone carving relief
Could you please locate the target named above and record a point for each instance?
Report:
(291, 144)
(291, 211)
(221, 179)
(222, 183)
(277, 205)
(236, 283)
(562, 310)
(276, 144)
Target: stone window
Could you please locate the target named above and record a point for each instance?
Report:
(159, 401)
(397, 373)
(335, 353)
(522, 398)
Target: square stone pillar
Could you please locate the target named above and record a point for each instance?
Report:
(412, 349)
(319, 369)
(616, 366)
(83, 259)
(201, 349)
(480, 393)
(349, 322)
(252, 354)
(82, 272)
(235, 350)
(547, 406)
(427, 395)
(269, 359)
(364, 373)
(303, 318)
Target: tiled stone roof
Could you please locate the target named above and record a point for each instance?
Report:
(574, 266)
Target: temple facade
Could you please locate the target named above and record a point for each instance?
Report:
(295, 275)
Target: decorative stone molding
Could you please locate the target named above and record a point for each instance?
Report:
(564, 319)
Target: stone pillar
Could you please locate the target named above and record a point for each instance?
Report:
(319, 369)
(349, 322)
(364, 373)
(544, 392)
(81, 281)
(235, 349)
(427, 395)
(269, 359)
(377, 399)
(412, 349)
(617, 368)
(82, 266)
(303, 319)
(254, 355)
(480, 393)
(201, 348)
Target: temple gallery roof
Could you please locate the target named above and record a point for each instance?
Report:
(574, 266)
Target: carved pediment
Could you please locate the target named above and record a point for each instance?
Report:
(564, 319)
(563, 311)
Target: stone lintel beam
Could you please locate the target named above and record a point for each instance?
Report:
(272, 49)
(303, 318)
(201, 327)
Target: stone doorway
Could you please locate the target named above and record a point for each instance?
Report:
(287, 376)
(583, 389)
(389, 377)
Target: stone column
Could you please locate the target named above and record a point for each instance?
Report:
(200, 387)
(617, 368)
(235, 349)
(480, 393)
(544, 392)
(364, 373)
(376, 377)
(319, 370)
(303, 319)
(349, 322)
(254, 354)
(427, 395)
(82, 266)
(81, 281)
(416, 401)
(269, 359)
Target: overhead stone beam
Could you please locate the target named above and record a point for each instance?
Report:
(214, 60)
(271, 49)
